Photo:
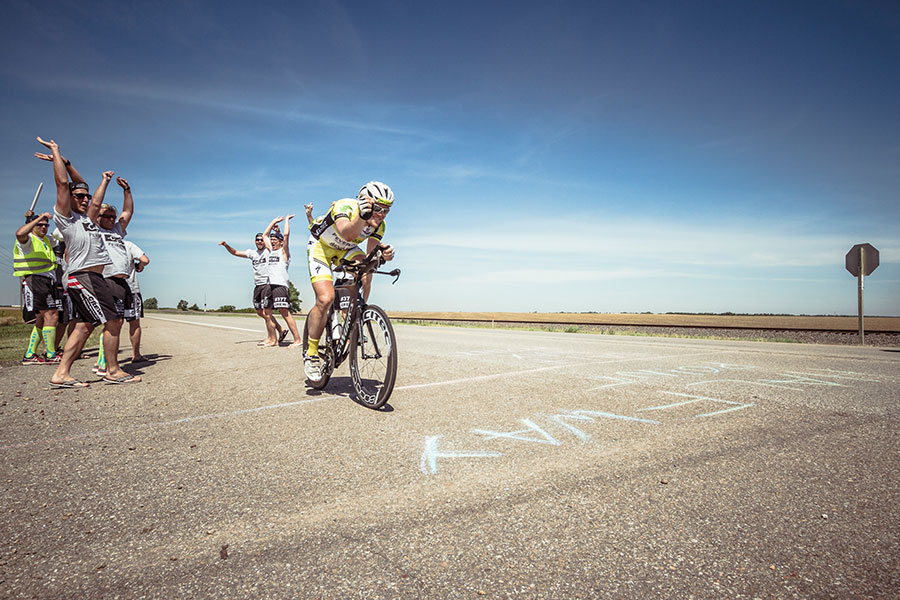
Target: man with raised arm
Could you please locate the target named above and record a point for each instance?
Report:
(75, 215)
(279, 260)
(35, 262)
(116, 272)
(262, 296)
(348, 222)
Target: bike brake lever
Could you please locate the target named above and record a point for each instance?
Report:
(395, 274)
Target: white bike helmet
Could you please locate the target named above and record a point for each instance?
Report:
(381, 193)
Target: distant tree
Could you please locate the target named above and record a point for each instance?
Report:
(182, 305)
(194, 307)
(293, 297)
(151, 303)
(226, 308)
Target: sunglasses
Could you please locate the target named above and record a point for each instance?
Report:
(260, 240)
(107, 216)
(43, 225)
(80, 196)
(377, 208)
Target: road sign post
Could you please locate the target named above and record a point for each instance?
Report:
(861, 261)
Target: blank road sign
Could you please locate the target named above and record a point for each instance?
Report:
(870, 259)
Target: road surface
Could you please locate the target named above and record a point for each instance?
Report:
(506, 464)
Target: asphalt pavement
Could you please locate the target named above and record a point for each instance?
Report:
(507, 464)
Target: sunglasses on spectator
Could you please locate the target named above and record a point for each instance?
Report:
(112, 216)
(43, 225)
(80, 196)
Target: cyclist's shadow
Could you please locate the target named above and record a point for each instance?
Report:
(343, 386)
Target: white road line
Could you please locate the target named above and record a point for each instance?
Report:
(221, 415)
(312, 400)
(202, 324)
(416, 386)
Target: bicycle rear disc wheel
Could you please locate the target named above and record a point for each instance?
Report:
(324, 352)
(373, 358)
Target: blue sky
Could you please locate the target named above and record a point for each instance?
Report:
(579, 156)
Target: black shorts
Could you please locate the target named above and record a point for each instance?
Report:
(38, 294)
(122, 297)
(138, 306)
(280, 297)
(66, 309)
(262, 297)
(91, 297)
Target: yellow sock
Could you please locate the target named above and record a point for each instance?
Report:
(49, 335)
(35, 339)
(313, 348)
(101, 358)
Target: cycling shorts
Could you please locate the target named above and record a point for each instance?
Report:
(322, 256)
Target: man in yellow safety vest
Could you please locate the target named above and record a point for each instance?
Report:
(33, 259)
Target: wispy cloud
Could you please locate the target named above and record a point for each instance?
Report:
(216, 100)
(641, 242)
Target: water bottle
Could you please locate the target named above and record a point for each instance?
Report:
(336, 325)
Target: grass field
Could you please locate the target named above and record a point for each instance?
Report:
(786, 322)
(14, 336)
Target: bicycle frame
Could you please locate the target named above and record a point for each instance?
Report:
(357, 305)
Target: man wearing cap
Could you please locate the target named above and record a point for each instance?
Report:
(116, 272)
(262, 295)
(35, 262)
(279, 261)
(75, 215)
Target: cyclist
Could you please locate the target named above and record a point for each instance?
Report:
(347, 223)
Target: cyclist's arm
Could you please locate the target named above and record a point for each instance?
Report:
(387, 251)
(349, 228)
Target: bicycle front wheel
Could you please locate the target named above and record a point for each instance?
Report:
(373, 357)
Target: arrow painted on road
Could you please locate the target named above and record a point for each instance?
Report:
(428, 463)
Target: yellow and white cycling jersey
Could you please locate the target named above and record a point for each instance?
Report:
(326, 247)
(326, 232)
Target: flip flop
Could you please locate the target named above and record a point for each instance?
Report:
(125, 379)
(71, 384)
(296, 345)
(267, 345)
(282, 335)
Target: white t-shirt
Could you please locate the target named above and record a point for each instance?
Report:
(260, 259)
(84, 243)
(134, 253)
(278, 268)
(115, 245)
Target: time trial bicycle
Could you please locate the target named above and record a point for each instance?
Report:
(360, 331)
